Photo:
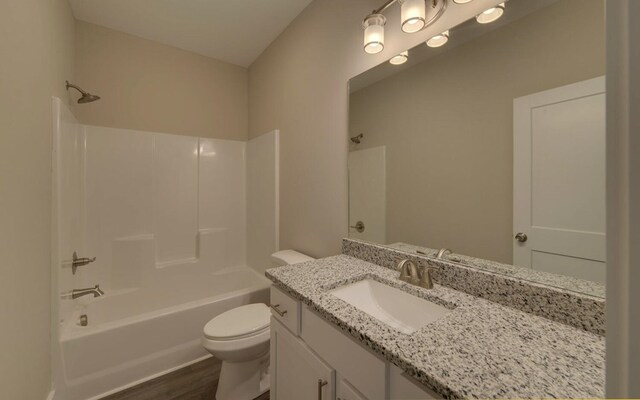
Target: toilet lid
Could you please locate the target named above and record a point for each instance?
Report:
(239, 322)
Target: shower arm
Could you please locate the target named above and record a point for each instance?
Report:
(71, 85)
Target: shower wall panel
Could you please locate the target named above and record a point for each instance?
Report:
(158, 203)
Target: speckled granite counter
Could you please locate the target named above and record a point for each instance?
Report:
(566, 306)
(479, 350)
(579, 286)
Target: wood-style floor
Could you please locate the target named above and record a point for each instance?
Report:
(195, 382)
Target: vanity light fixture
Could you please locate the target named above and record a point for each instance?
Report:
(415, 16)
(400, 58)
(412, 15)
(462, 1)
(490, 15)
(374, 33)
(438, 40)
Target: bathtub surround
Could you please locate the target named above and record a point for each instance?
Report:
(153, 87)
(142, 202)
(479, 349)
(572, 308)
(37, 50)
(166, 217)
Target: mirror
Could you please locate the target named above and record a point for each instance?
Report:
(492, 145)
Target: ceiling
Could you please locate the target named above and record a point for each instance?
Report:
(235, 31)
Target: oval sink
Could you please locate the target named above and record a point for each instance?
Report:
(394, 307)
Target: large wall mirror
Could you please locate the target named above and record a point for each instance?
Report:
(491, 145)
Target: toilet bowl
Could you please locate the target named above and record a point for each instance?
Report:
(240, 339)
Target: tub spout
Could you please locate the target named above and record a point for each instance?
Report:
(75, 293)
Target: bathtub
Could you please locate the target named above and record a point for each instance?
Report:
(137, 334)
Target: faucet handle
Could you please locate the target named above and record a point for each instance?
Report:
(426, 280)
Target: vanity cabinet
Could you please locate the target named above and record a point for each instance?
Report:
(296, 371)
(307, 351)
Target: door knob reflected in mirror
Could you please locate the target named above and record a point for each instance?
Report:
(359, 226)
(521, 237)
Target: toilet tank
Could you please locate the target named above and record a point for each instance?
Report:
(288, 257)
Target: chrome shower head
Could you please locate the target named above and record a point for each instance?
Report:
(86, 97)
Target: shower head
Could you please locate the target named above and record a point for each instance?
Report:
(356, 139)
(86, 97)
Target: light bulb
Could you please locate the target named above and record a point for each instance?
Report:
(412, 15)
(438, 40)
(400, 58)
(374, 33)
(490, 15)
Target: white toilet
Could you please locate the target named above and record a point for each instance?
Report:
(240, 339)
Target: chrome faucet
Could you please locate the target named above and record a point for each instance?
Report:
(75, 293)
(410, 273)
(442, 252)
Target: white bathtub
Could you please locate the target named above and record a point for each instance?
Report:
(138, 334)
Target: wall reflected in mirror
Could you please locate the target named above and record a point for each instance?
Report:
(491, 145)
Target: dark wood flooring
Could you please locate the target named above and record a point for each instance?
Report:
(195, 382)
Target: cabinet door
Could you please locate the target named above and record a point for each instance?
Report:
(296, 372)
(348, 392)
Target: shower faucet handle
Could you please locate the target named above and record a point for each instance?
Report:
(80, 262)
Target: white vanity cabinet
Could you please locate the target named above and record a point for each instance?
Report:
(313, 360)
(296, 371)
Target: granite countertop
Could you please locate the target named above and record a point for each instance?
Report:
(478, 350)
(565, 282)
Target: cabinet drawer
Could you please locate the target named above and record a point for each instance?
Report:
(364, 370)
(285, 309)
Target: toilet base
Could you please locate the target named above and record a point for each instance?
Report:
(243, 380)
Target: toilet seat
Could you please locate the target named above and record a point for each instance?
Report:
(242, 322)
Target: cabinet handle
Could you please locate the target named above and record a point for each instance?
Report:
(280, 313)
(321, 384)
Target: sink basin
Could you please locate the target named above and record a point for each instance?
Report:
(394, 307)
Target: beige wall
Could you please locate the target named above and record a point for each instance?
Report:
(36, 52)
(299, 85)
(149, 86)
(448, 126)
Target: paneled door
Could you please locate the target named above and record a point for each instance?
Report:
(559, 180)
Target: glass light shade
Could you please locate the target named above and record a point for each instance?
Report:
(374, 33)
(412, 15)
(438, 40)
(491, 14)
(462, 1)
(400, 58)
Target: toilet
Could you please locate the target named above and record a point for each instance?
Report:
(240, 339)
